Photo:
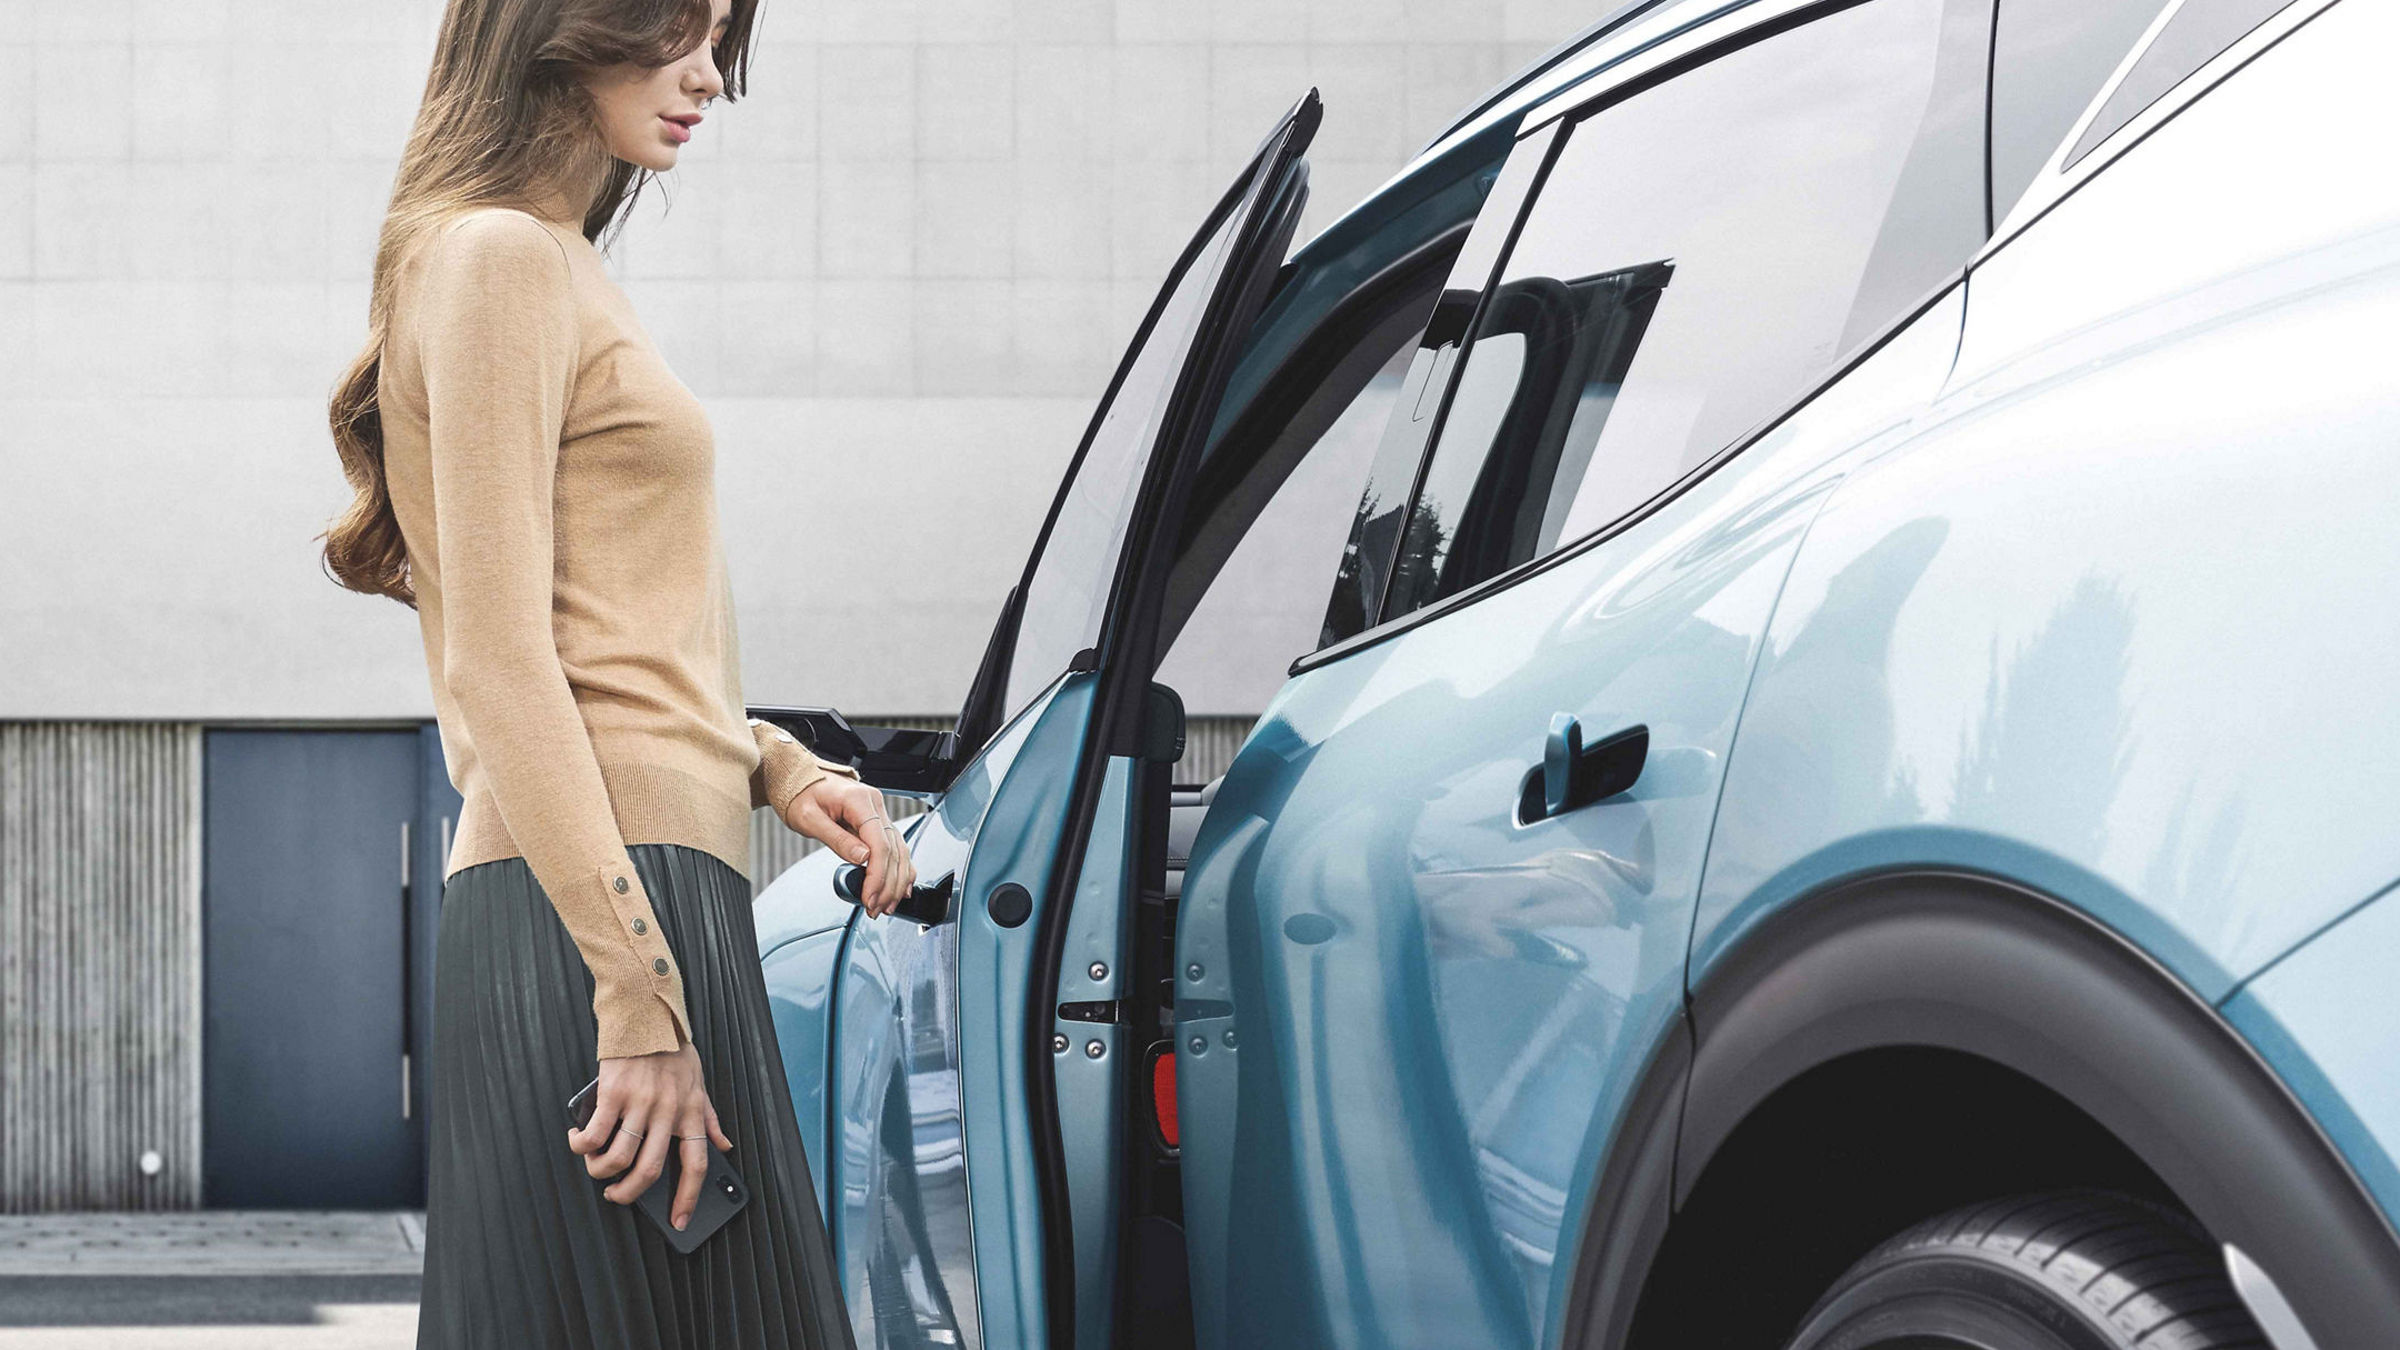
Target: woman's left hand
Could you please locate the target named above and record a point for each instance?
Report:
(847, 816)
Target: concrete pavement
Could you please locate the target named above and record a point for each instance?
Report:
(211, 1280)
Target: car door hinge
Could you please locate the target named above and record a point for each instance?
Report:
(1111, 1011)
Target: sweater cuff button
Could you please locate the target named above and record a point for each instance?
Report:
(620, 885)
(659, 965)
(640, 926)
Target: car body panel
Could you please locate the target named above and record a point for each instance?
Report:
(800, 902)
(2136, 716)
(901, 1214)
(1091, 1088)
(2076, 158)
(801, 925)
(900, 1207)
(1013, 806)
(1424, 993)
(800, 980)
(2323, 1018)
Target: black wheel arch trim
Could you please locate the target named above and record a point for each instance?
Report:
(1970, 963)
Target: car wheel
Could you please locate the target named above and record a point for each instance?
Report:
(2066, 1270)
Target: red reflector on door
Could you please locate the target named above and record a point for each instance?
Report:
(1162, 1098)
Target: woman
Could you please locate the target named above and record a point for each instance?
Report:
(534, 480)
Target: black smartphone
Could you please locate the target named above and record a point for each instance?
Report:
(722, 1193)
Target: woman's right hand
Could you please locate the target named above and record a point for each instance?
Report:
(656, 1097)
(847, 816)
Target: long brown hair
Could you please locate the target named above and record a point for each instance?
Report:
(505, 119)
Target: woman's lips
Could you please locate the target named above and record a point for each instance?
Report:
(681, 131)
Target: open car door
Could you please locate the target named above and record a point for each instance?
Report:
(985, 1064)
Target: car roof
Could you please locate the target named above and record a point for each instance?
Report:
(1618, 15)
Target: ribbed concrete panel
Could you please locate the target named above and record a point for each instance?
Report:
(99, 965)
(1209, 744)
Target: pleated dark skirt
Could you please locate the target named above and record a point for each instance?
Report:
(522, 1251)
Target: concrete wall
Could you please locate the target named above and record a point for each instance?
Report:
(899, 273)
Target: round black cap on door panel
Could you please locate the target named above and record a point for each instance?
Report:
(1010, 904)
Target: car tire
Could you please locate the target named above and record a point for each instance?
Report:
(2062, 1270)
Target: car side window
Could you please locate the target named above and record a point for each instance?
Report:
(1248, 603)
(1698, 255)
(1377, 535)
(1069, 588)
(1271, 499)
(2049, 58)
(2191, 39)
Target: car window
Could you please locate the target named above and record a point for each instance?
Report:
(1696, 257)
(1248, 608)
(2191, 39)
(1069, 590)
(2049, 59)
(1376, 535)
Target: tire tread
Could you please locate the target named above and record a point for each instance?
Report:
(2148, 1272)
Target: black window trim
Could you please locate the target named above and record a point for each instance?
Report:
(1564, 118)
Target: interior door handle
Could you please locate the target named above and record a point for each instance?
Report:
(928, 902)
(1573, 774)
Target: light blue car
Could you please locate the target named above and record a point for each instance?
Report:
(1841, 782)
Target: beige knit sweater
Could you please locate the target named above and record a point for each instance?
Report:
(555, 484)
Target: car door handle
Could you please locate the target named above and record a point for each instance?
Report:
(1573, 774)
(928, 902)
